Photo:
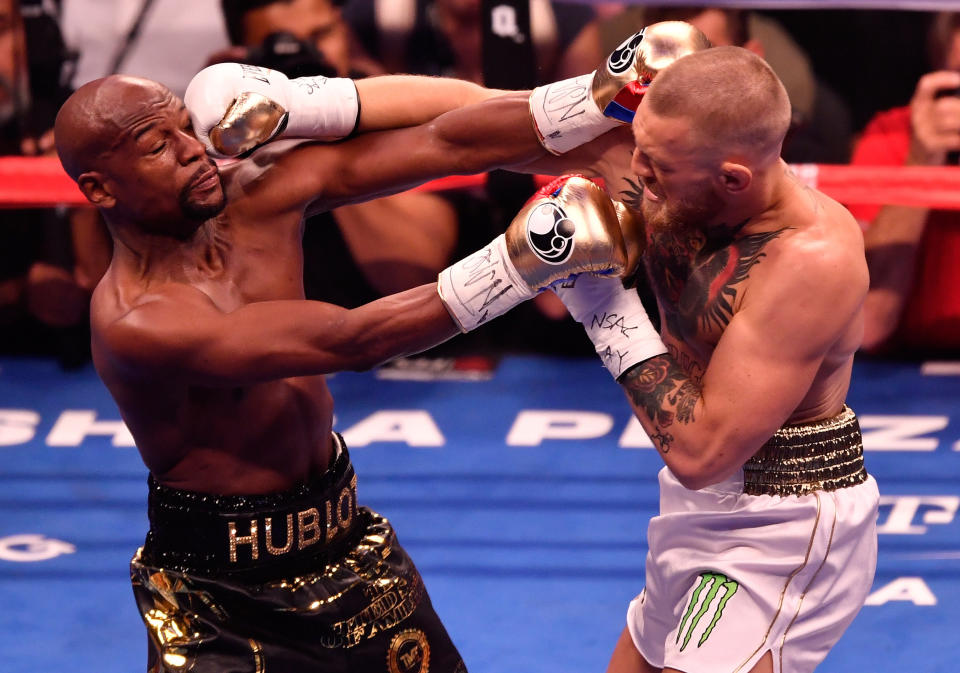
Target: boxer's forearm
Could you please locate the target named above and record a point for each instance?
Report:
(396, 101)
(892, 244)
(663, 398)
(493, 133)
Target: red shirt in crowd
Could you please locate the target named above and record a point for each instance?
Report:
(931, 316)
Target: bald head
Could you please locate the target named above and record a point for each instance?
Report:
(731, 97)
(97, 115)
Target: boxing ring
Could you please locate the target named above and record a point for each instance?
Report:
(522, 497)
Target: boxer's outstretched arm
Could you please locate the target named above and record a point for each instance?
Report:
(496, 132)
(768, 356)
(395, 101)
(181, 333)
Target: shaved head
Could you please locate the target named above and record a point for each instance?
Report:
(129, 145)
(731, 97)
(95, 118)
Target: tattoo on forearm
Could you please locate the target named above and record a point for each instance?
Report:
(662, 439)
(658, 384)
(690, 364)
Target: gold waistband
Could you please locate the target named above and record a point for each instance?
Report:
(824, 455)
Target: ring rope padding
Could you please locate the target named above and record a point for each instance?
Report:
(39, 182)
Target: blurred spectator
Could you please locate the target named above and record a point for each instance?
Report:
(443, 37)
(164, 40)
(914, 300)
(356, 253)
(822, 128)
(50, 260)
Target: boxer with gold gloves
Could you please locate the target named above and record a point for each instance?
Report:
(258, 555)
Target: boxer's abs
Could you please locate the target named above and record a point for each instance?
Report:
(262, 438)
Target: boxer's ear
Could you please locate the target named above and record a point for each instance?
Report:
(94, 187)
(734, 177)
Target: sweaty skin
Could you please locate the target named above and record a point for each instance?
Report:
(753, 341)
(200, 327)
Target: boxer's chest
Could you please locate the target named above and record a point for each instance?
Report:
(700, 282)
(259, 265)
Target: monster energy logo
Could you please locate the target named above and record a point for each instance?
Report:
(713, 582)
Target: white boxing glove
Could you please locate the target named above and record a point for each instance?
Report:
(614, 318)
(569, 226)
(571, 112)
(236, 107)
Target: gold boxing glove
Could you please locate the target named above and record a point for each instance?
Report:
(574, 111)
(568, 227)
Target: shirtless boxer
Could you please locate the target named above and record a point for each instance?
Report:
(258, 556)
(765, 546)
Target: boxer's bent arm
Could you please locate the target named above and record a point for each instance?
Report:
(496, 132)
(395, 101)
(182, 335)
(760, 371)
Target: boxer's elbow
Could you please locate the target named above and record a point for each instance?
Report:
(702, 463)
(694, 475)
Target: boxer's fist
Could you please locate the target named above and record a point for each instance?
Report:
(614, 318)
(571, 112)
(568, 227)
(236, 107)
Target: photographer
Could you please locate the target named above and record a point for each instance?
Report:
(914, 301)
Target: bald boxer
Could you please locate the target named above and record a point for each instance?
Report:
(258, 555)
(765, 546)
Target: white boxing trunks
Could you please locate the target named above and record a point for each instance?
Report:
(779, 560)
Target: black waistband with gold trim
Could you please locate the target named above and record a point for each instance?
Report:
(823, 455)
(258, 536)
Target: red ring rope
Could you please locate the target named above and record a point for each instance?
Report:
(41, 182)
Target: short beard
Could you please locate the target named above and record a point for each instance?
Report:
(682, 215)
(201, 212)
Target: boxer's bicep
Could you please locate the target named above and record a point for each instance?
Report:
(770, 355)
(759, 373)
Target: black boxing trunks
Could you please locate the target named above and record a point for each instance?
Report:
(303, 580)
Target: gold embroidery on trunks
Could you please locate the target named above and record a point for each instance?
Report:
(313, 517)
(268, 531)
(236, 540)
(833, 528)
(409, 652)
(783, 592)
(259, 665)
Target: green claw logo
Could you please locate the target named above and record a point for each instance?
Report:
(715, 582)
